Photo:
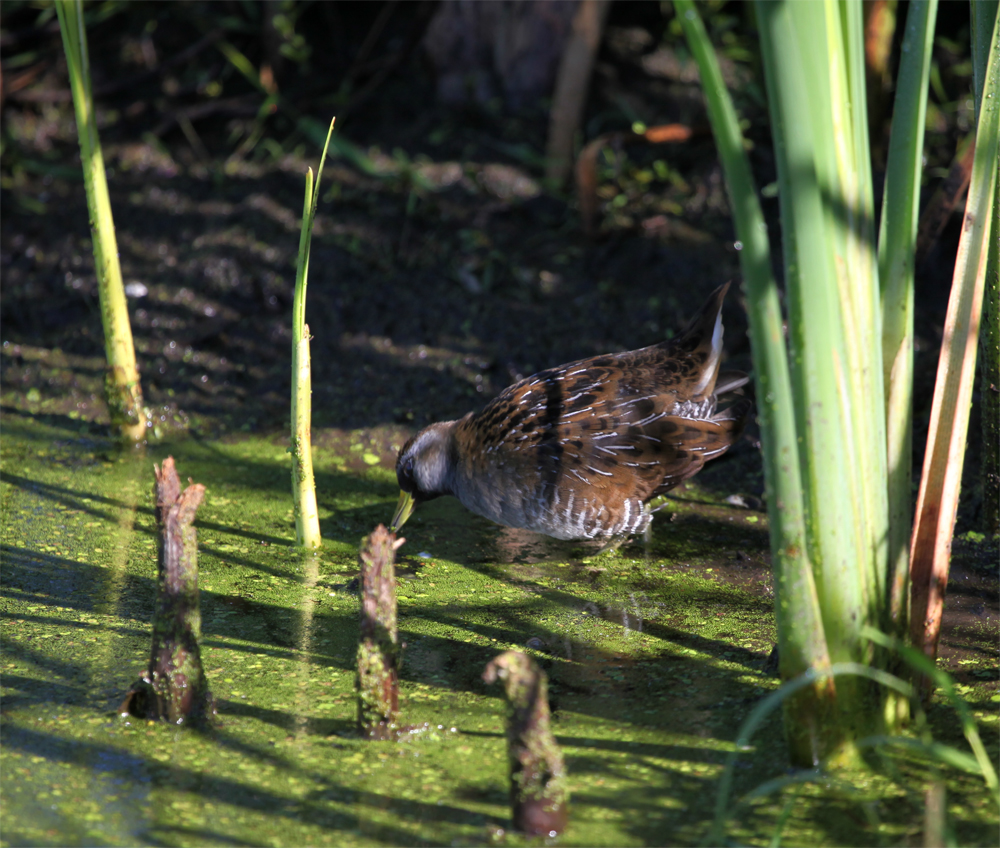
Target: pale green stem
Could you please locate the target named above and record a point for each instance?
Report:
(857, 268)
(896, 247)
(307, 532)
(984, 14)
(983, 17)
(797, 66)
(122, 388)
(801, 641)
(937, 500)
(800, 629)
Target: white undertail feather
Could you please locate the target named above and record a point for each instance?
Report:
(714, 358)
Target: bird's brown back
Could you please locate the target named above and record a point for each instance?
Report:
(617, 426)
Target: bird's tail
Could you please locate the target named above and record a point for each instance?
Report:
(703, 337)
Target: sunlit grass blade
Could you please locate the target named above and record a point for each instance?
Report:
(943, 681)
(769, 704)
(937, 500)
(797, 70)
(984, 16)
(989, 379)
(823, 401)
(896, 248)
(811, 72)
(122, 389)
(800, 632)
(946, 755)
(857, 268)
(307, 532)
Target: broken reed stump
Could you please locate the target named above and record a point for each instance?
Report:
(538, 792)
(378, 649)
(174, 687)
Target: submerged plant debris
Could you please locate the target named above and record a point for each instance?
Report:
(538, 792)
(174, 686)
(378, 647)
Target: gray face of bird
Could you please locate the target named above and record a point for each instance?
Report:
(422, 467)
(422, 470)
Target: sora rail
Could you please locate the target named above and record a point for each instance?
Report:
(576, 452)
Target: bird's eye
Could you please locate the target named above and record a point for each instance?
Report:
(404, 474)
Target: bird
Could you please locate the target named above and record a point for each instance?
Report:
(577, 452)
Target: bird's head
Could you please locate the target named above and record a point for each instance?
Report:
(423, 468)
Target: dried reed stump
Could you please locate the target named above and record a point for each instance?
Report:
(174, 686)
(378, 650)
(538, 792)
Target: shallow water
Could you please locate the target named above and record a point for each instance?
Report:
(655, 656)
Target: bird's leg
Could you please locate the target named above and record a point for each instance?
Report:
(610, 547)
(647, 540)
(662, 505)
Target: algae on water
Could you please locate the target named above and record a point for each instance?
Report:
(653, 661)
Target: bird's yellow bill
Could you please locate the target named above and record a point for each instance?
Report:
(403, 510)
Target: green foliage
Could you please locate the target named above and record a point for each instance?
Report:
(307, 532)
(930, 753)
(836, 406)
(122, 390)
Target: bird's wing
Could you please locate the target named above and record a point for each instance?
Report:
(587, 424)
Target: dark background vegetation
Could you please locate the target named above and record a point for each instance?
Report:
(443, 267)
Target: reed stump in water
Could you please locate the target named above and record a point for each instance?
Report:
(174, 687)
(378, 649)
(538, 792)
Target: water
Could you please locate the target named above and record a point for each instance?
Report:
(655, 655)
